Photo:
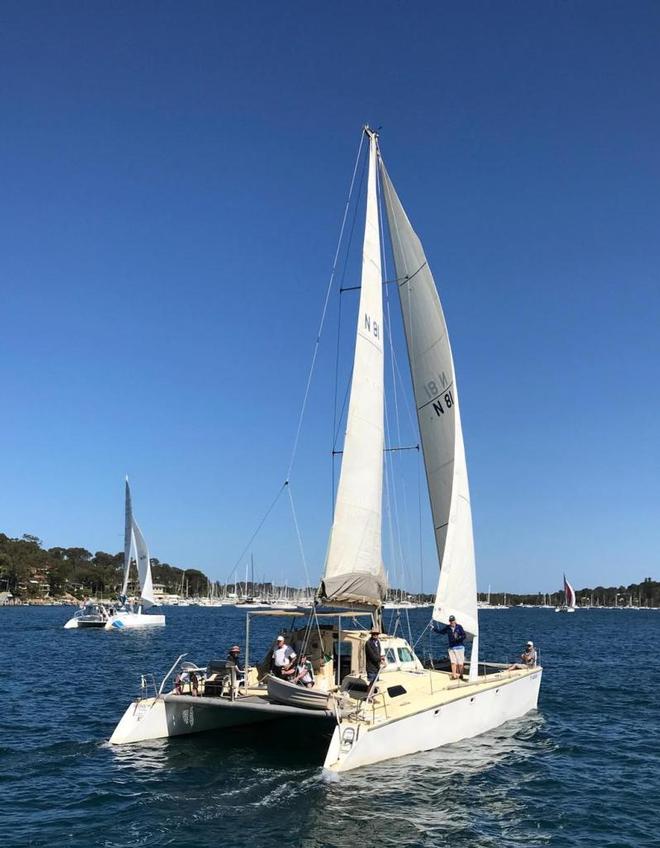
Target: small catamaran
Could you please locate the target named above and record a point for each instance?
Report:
(408, 707)
(124, 614)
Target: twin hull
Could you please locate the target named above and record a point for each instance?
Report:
(353, 744)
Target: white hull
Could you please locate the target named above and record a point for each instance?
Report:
(134, 621)
(178, 715)
(120, 621)
(441, 725)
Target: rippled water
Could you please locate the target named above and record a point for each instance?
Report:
(583, 770)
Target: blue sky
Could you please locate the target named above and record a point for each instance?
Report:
(172, 183)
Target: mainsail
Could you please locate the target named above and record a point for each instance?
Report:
(354, 572)
(436, 399)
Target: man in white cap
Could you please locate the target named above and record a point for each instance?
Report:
(283, 656)
(528, 656)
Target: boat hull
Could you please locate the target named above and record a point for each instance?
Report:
(357, 744)
(134, 621)
(179, 715)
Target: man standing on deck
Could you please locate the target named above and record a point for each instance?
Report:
(456, 651)
(234, 658)
(374, 655)
(283, 656)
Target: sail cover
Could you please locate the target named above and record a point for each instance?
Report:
(354, 572)
(436, 399)
(569, 593)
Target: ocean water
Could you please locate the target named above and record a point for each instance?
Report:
(582, 770)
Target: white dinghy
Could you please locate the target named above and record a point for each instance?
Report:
(126, 614)
(408, 707)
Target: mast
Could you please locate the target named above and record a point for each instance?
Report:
(354, 572)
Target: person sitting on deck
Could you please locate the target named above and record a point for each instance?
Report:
(189, 677)
(304, 672)
(456, 650)
(528, 657)
(283, 657)
(234, 658)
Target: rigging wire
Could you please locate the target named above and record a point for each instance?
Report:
(299, 536)
(309, 376)
(323, 313)
(336, 423)
(259, 526)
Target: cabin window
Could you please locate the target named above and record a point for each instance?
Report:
(390, 655)
(395, 691)
(405, 655)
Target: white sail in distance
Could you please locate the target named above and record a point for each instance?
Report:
(144, 568)
(354, 572)
(128, 537)
(438, 415)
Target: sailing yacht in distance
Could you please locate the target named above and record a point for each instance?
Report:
(569, 598)
(125, 614)
(405, 707)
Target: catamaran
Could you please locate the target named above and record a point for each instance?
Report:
(569, 598)
(125, 614)
(409, 707)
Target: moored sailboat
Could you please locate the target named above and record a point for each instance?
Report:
(407, 707)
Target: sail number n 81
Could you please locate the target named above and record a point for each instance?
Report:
(439, 394)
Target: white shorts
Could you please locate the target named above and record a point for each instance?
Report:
(457, 655)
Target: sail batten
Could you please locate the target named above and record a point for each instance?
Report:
(354, 572)
(438, 415)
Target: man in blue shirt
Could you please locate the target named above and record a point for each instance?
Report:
(456, 651)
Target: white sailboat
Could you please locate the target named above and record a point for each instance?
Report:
(126, 614)
(569, 598)
(408, 708)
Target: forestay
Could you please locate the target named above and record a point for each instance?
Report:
(436, 399)
(354, 572)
